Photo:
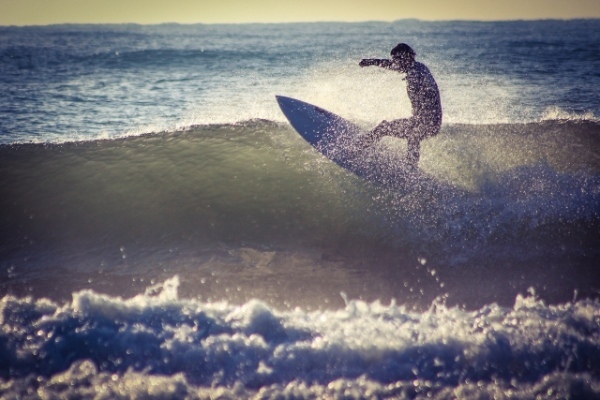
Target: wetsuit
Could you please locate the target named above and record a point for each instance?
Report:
(426, 106)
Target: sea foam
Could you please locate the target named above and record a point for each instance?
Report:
(156, 345)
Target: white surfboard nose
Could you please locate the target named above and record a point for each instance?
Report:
(286, 103)
(294, 110)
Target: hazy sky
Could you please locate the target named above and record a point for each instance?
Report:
(39, 12)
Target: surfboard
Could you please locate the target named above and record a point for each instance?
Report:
(318, 126)
(344, 143)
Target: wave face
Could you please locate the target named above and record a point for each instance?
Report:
(516, 207)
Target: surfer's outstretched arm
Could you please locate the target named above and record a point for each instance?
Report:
(378, 62)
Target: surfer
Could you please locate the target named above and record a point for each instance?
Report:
(424, 97)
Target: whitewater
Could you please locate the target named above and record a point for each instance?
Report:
(165, 233)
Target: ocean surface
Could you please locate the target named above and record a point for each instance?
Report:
(164, 232)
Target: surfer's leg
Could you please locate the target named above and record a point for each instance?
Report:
(407, 129)
(413, 152)
(370, 138)
(400, 128)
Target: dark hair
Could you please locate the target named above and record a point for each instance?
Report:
(402, 49)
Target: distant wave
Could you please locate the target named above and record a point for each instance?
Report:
(558, 114)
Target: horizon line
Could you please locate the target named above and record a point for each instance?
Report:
(299, 22)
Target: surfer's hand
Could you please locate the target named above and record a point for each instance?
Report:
(365, 62)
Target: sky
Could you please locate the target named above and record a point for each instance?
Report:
(43, 12)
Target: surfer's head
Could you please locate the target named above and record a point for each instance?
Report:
(402, 51)
(403, 57)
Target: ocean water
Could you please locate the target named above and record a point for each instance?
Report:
(164, 233)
